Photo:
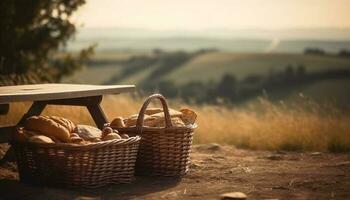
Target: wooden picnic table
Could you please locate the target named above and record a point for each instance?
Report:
(41, 95)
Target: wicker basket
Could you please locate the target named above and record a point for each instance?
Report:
(74, 166)
(163, 151)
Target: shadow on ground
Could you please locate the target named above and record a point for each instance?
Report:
(13, 189)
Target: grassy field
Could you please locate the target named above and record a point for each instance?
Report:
(304, 126)
(327, 91)
(211, 66)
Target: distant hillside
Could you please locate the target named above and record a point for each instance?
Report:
(213, 73)
(251, 40)
(212, 66)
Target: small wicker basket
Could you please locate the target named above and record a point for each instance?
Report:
(163, 151)
(75, 166)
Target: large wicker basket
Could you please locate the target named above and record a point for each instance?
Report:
(163, 151)
(75, 166)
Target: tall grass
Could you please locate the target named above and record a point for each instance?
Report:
(262, 125)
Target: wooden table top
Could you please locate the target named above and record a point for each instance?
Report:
(42, 92)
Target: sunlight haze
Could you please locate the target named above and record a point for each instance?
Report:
(215, 14)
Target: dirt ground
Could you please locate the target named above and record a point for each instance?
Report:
(215, 170)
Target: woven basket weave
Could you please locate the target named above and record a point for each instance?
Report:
(71, 166)
(163, 151)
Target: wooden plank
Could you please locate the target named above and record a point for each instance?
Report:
(81, 101)
(41, 92)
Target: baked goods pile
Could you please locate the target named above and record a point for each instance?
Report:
(154, 117)
(53, 129)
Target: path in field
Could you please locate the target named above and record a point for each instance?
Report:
(215, 170)
(273, 45)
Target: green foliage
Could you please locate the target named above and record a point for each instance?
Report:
(31, 32)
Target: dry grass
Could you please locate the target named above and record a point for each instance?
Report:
(304, 126)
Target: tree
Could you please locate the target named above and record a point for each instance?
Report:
(31, 34)
(314, 51)
(227, 87)
(289, 72)
(301, 70)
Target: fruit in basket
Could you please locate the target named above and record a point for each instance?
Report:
(118, 122)
(111, 136)
(88, 133)
(49, 127)
(41, 139)
(124, 136)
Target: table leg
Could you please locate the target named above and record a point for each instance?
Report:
(36, 109)
(93, 104)
(98, 115)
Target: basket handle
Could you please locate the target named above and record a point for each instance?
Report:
(139, 123)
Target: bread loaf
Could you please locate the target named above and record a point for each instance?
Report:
(175, 121)
(49, 127)
(172, 112)
(40, 139)
(88, 133)
(147, 120)
(64, 122)
(151, 111)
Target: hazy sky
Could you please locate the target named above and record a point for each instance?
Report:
(208, 14)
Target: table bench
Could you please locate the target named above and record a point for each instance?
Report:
(41, 95)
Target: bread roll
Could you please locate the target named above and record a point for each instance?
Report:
(76, 139)
(111, 136)
(189, 116)
(124, 136)
(40, 139)
(48, 127)
(106, 131)
(118, 122)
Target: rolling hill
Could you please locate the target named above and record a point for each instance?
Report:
(210, 67)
